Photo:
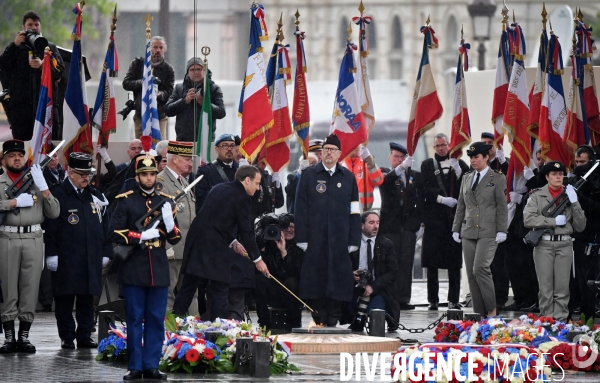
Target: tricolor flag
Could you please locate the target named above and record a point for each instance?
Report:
(362, 72)
(585, 48)
(41, 142)
(105, 110)
(150, 122)
(277, 150)
(348, 122)
(460, 135)
(272, 65)
(553, 113)
(574, 134)
(301, 108)
(501, 88)
(255, 108)
(535, 95)
(426, 107)
(205, 126)
(76, 124)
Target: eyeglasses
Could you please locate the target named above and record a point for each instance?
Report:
(225, 146)
(330, 150)
(83, 175)
(196, 70)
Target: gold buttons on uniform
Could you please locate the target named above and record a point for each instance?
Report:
(477, 215)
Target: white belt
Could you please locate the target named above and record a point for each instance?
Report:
(20, 229)
(548, 237)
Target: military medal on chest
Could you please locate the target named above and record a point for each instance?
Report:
(73, 219)
(321, 186)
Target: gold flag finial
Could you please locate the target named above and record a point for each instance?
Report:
(279, 36)
(297, 22)
(504, 14)
(148, 19)
(349, 31)
(580, 14)
(113, 26)
(544, 15)
(428, 20)
(462, 34)
(361, 8)
(551, 31)
(514, 18)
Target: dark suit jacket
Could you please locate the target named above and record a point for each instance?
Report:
(211, 178)
(400, 207)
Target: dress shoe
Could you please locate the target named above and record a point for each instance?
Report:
(432, 306)
(87, 343)
(454, 306)
(133, 375)
(531, 307)
(514, 306)
(154, 374)
(355, 327)
(67, 344)
(406, 306)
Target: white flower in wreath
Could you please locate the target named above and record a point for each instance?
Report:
(199, 347)
(179, 321)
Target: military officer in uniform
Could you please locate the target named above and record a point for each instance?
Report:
(171, 181)
(144, 275)
(77, 247)
(554, 254)
(21, 246)
(498, 161)
(481, 221)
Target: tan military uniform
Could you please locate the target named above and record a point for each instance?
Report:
(168, 183)
(554, 255)
(21, 252)
(480, 215)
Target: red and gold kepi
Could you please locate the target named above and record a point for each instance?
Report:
(180, 148)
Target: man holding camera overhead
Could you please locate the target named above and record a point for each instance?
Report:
(21, 75)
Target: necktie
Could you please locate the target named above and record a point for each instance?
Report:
(369, 256)
(476, 182)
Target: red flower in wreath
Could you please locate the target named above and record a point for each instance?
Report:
(192, 355)
(208, 354)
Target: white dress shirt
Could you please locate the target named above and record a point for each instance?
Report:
(481, 175)
(362, 261)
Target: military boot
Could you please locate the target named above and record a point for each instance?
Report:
(23, 344)
(10, 345)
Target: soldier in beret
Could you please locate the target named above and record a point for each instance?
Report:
(21, 246)
(77, 247)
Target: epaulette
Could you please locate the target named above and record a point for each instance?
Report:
(534, 190)
(498, 171)
(469, 171)
(124, 194)
(166, 195)
(160, 178)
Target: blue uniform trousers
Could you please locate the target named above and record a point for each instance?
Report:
(145, 305)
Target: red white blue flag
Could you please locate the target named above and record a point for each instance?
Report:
(105, 110)
(362, 73)
(574, 135)
(501, 88)
(41, 142)
(460, 135)
(426, 106)
(300, 107)
(585, 51)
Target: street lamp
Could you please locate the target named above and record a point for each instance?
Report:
(481, 12)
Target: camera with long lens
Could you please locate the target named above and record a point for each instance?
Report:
(364, 276)
(129, 107)
(360, 320)
(269, 226)
(35, 41)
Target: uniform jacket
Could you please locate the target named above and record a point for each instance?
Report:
(538, 200)
(327, 218)
(186, 207)
(224, 217)
(79, 236)
(33, 215)
(366, 182)
(439, 249)
(482, 213)
(401, 206)
(212, 178)
(133, 83)
(385, 268)
(185, 125)
(51, 179)
(144, 267)
(497, 166)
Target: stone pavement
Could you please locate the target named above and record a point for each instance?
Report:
(52, 364)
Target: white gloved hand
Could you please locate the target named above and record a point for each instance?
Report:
(24, 200)
(363, 152)
(500, 155)
(103, 153)
(407, 163)
(52, 262)
(167, 215)
(304, 164)
(243, 162)
(528, 173)
(276, 178)
(156, 89)
(456, 237)
(449, 201)
(456, 166)
(561, 220)
(500, 237)
(352, 248)
(150, 233)
(302, 245)
(515, 197)
(38, 177)
(105, 261)
(571, 193)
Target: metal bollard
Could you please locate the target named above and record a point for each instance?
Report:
(104, 318)
(454, 314)
(260, 366)
(473, 317)
(244, 355)
(377, 323)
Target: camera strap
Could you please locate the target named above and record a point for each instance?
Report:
(220, 171)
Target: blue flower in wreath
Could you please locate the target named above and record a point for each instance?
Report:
(120, 345)
(183, 350)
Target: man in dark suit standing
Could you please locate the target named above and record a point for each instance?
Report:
(206, 254)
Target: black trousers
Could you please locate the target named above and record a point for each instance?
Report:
(236, 297)
(45, 289)
(500, 276)
(269, 294)
(84, 313)
(433, 285)
(404, 245)
(326, 311)
(518, 258)
(217, 294)
(586, 268)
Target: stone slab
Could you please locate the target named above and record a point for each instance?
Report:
(321, 330)
(335, 343)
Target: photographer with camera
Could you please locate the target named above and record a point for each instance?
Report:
(375, 273)
(275, 236)
(187, 112)
(21, 68)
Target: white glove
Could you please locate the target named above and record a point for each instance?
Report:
(456, 166)
(500, 237)
(276, 178)
(103, 153)
(571, 193)
(243, 162)
(167, 215)
(150, 233)
(105, 261)
(500, 155)
(304, 164)
(38, 177)
(52, 262)
(407, 163)
(352, 248)
(449, 201)
(24, 200)
(561, 220)
(456, 237)
(363, 152)
(156, 89)
(515, 197)
(302, 245)
(528, 173)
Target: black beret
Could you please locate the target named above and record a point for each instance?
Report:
(398, 147)
(477, 147)
(13, 146)
(553, 166)
(487, 135)
(333, 139)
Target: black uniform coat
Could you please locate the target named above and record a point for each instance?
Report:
(439, 249)
(211, 178)
(51, 180)
(144, 267)
(207, 253)
(80, 239)
(400, 207)
(329, 224)
(385, 269)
